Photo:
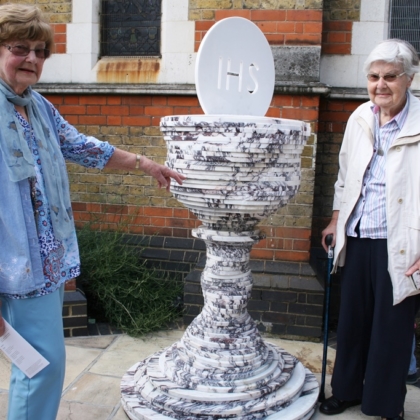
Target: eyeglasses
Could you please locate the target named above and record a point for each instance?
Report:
(388, 78)
(23, 51)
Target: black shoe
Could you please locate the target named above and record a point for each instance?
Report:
(400, 417)
(333, 405)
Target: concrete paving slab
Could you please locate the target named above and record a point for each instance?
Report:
(120, 415)
(126, 351)
(412, 403)
(95, 366)
(309, 354)
(78, 359)
(3, 405)
(79, 356)
(75, 410)
(96, 342)
(93, 389)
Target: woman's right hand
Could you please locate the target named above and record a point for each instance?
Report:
(2, 325)
(331, 229)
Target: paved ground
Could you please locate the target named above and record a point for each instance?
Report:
(96, 364)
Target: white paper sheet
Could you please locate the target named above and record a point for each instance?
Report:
(21, 353)
(416, 279)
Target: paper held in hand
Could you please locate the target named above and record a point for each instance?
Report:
(416, 279)
(21, 353)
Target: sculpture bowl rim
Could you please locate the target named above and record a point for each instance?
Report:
(229, 118)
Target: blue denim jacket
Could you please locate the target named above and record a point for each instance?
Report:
(20, 259)
(21, 269)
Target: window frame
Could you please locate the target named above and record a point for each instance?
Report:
(411, 31)
(110, 52)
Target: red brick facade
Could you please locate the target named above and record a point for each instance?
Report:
(336, 37)
(281, 27)
(60, 37)
(333, 117)
(143, 209)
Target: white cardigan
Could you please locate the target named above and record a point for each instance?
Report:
(402, 191)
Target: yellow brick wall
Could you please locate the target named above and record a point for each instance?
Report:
(57, 11)
(348, 10)
(205, 9)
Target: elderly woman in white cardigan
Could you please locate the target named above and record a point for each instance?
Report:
(376, 229)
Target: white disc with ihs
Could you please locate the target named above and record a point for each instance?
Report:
(234, 72)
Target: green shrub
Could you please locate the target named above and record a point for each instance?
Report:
(119, 286)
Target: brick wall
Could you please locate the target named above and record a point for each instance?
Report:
(74, 313)
(206, 10)
(281, 27)
(57, 11)
(284, 22)
(60, 37)
(131, 122)
(333, 118)
(348, 10)
(338, 18)
(336, 37)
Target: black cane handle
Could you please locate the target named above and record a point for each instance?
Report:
(329, 239)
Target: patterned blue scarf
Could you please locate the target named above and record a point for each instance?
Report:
(19, 159)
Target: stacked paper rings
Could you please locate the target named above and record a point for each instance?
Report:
(239, 169)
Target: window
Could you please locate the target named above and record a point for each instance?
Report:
(405, 21)
(130, 27)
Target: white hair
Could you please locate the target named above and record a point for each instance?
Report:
(395, 51)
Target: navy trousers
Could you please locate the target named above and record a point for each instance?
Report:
(374, 337)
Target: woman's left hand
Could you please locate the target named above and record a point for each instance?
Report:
(127, 161)
(161, 173)
(415, 267)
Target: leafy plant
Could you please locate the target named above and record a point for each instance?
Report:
(118, 285)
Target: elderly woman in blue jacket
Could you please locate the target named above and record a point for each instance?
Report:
(38, 248)
(376, 228)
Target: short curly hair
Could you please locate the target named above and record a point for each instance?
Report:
(24, 22)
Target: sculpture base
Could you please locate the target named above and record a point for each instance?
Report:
(221, 368)
(295, 400)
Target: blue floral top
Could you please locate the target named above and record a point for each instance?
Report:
(60, 259)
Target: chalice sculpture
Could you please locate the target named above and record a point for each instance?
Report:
(240, 167)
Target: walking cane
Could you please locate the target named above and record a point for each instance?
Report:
(328, 242)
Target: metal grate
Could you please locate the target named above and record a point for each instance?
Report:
(130, 27)
(405, 21)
